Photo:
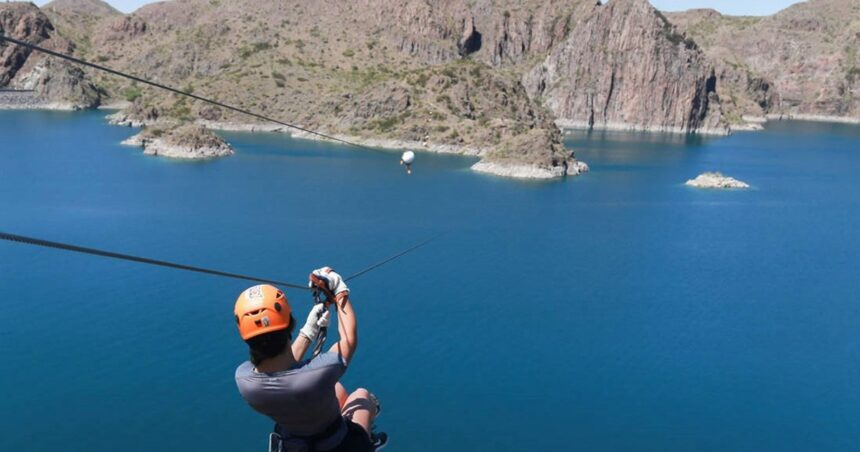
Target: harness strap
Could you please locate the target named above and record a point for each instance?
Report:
(329, 438)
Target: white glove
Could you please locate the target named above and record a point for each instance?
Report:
(334, 282)
(317, 318)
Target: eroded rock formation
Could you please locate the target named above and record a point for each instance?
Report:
(57, 84)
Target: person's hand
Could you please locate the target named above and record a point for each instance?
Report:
(317, 318)
(327, 279)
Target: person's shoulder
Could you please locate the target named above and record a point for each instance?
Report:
(244, 370)
(326, 360)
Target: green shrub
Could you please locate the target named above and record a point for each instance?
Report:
(132, 93)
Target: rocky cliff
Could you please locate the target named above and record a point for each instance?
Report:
(802, 61)
(623, 65)
(56, 84)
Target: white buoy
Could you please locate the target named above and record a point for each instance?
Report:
(406, 159)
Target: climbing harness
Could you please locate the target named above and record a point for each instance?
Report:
(323, 334)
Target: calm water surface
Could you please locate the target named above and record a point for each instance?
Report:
(616, 311)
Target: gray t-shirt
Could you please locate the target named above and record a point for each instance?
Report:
(302, 400)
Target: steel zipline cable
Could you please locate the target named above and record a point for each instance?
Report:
(142, 260)
(396, 256)
(175, 90)
(145, 260)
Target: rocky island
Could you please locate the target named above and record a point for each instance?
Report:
(187, 142)
(716, 180)
(493, 79)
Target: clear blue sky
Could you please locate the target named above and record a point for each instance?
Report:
(734, 7)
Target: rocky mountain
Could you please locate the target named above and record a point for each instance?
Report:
(56, 84)
(802, 61)
(485, 77)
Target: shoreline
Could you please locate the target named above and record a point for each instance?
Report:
(379, 143)
(568, 124)
(813, 118)
(751, 124)
(516, 171)
(30, 100)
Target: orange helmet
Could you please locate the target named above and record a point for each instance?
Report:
(260, 310)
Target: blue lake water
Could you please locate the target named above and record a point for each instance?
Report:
(616, 311)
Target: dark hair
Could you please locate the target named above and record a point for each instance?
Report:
(269, 345)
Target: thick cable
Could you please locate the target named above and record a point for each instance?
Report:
(138, 259)
(396, 256)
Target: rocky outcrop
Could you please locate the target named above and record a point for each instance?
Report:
(800, 62)
(137, 114)
(56, 84)
(519, 171)
(188, 142)
(624, 66)
(716, 180)
(122, 27)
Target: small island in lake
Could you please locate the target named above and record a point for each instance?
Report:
(716, 180)
(190, 142)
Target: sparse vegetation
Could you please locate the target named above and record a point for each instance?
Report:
(132, 93)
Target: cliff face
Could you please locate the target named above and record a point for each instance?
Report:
(800, 61)
(56, 83)
(622, 65)
(619, 65)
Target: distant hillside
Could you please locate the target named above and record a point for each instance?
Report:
(82, 8)
(806, 54)
(77, 19)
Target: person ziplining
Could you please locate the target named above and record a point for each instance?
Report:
(311, 408)
(407, 159)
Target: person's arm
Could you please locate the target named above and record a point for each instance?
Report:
(317, 318)
(347, 328)
(301, 346)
